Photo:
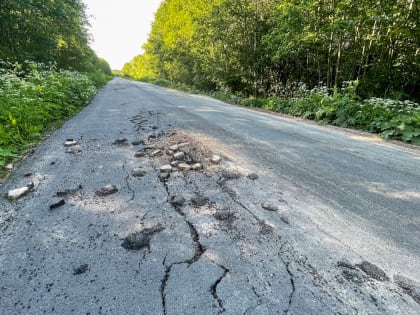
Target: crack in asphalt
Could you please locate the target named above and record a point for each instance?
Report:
(260, 302)
(291, 278)
(213, 288)
(130, 189)
(198, 252)
(238, 202)
(292, 283)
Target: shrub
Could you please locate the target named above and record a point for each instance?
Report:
(34, 98)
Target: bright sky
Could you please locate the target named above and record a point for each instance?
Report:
(120, 27)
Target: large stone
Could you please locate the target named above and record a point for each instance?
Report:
(179, 155)
(9, 167)
(184, 167)
(196, 166)
(156, 153)
(166, 168)
(175, 163)
(174, 148)
(18, 193)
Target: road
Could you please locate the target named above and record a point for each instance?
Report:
(296, 218)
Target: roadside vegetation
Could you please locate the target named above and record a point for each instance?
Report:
(337, 62)
(48, 72)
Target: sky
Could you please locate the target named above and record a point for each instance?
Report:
(120, 28)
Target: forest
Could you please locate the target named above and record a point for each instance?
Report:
(48, 72)
(348, 63)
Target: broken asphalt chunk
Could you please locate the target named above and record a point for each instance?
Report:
(156, 153)
(252, 176)
(138, 142)
(70, 143)
(141, 239)
(410, 286)
(178, 156)
(174, 148)
(184, 167)
(269, 206)
(139, 154)
(373, 271)
(216, 159)
(57, 204)
(176, 200)
(166, 169)
(164, 177)
(121, 141)
(138, 172)
(196, 166)
(198, 200)
(107, 190)
(67, 192)
(81, 269)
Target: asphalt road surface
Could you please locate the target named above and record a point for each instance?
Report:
(295, 219)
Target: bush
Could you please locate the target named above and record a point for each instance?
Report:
(35, 98)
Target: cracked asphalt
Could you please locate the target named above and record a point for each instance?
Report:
(104, 231)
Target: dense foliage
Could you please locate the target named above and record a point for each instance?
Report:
(33, 101)
(47, 69)
(264, 48)
(49, 31)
